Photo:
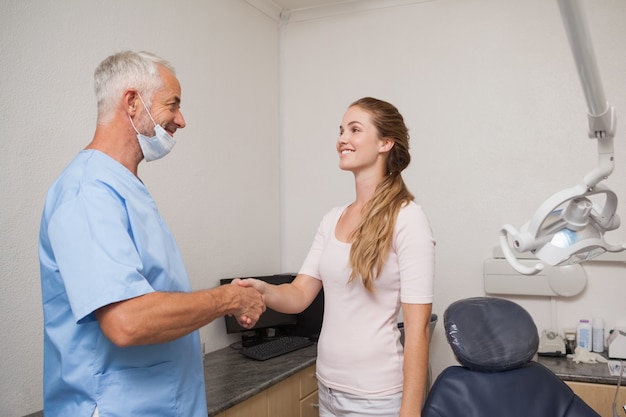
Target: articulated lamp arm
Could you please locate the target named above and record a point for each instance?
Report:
(581, 215)
(601, 116)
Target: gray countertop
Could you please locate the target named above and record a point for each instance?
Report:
(568, 370)
(232, 378)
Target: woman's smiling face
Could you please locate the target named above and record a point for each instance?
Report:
(359, 144)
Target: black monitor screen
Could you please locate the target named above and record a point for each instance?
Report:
(308, 323)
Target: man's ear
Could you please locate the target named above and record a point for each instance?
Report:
(130, 100)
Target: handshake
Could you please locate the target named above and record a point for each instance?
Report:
(249, 301)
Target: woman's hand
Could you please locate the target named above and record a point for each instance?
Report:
(257, 284)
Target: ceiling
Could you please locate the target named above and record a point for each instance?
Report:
(303, 4)
(300, 10)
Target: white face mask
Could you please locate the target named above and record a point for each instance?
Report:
(157, 146)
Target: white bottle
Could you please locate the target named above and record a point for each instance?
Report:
(583, 334)
(597, 335)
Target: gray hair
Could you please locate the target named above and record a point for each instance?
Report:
(124, 70)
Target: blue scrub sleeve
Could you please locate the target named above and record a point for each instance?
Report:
(94, 250)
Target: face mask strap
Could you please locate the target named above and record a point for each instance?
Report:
(145, 107)
(131, 122)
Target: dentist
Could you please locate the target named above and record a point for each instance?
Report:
(120, 319)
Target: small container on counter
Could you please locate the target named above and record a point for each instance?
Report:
(597, 335)
(583, 334)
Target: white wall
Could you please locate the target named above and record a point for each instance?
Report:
(488, 88)
(218, 190)
(497, 117)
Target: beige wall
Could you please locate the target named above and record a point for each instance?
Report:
(218, 190)
(498, 124)
(488, 88)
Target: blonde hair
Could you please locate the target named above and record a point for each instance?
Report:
(371, 240)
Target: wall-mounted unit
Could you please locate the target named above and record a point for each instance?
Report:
(564, 281)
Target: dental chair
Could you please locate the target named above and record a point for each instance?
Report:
(495, 341)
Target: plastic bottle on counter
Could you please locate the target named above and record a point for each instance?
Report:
(597, 335)
(583, 334)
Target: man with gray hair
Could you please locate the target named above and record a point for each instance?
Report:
(120, 318)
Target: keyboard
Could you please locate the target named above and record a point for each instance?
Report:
(275, 347)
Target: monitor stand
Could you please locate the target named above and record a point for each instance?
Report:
(254, 337)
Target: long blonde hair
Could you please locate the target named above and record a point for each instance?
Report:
(371, 239)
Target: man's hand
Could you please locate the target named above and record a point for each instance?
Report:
(252, 301)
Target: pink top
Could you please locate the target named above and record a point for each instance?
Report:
(359, 349)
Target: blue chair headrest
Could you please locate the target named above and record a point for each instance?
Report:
(490, 334)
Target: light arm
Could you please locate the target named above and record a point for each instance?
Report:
(581, 221)
(601, 116)
(582, 49)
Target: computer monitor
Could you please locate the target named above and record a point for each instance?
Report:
(307, 324)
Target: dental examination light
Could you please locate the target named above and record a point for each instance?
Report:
(569, 227)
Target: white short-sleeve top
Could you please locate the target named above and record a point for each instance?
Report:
(359, 349)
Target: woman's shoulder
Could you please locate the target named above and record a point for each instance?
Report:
(411, 207)
(411, 212)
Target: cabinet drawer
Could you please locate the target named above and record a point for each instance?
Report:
(308, 382)
(282, 398)
(599, 396)
(309, 406)
(252, 407)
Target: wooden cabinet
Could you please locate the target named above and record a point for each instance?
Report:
(308, 393)
(283, 399)
(293, 397)
(309, 406)
(252, 407)
(599, 396)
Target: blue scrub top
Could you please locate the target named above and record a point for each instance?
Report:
(102, 240)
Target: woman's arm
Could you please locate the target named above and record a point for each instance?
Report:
(291, 298)
(416, 340)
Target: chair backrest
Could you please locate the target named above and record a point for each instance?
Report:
(495, 340)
